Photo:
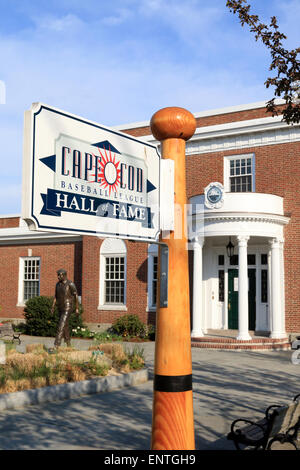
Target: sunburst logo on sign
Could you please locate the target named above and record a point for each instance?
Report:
(108, 171)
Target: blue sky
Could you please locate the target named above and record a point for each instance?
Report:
(119, 61)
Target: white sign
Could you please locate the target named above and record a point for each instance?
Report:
(166, 206)
(214, 195)
(83, 178)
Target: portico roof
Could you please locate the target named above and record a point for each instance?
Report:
(254, 214)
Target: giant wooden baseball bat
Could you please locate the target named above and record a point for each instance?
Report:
(172, 421)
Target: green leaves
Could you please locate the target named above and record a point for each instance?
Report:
(40, 321)
(129, 325)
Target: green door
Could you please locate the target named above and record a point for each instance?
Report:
(252, 298)
(233, 299)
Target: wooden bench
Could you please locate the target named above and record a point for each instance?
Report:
(281, 424)
(6, 330)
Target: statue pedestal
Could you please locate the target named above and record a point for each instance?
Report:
(2, 353)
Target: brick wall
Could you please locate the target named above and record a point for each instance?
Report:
(9, 222)
(53, 256)
(277, 171)
(136, 286)
(82, 262)
(90, 278)
(224, 118)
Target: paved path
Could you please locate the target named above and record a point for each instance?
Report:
(226, 384)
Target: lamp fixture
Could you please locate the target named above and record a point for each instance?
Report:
(230, 249)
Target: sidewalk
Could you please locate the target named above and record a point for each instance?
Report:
(226, 385)
(49, 342)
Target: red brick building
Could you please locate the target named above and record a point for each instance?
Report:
(255, 159)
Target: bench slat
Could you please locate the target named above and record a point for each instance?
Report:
(286, 418)
(281, 421)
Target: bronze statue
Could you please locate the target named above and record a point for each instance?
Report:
(65, 294)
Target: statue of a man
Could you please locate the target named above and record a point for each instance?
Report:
(65, 295)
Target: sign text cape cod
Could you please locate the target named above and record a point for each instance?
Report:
(83, 178)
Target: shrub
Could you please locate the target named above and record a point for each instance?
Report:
(40, 321)
(151, 332)
(129, 325)
(136, 358)
(80, 332)
(106, 336)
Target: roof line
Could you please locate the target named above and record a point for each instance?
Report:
(9, 216)
(212, 112)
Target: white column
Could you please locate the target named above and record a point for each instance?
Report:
(276, 290)
(243, 333)
(282, 290)
(197, 331)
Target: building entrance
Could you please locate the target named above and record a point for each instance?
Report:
(233, 298)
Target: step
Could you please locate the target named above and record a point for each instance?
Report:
(221, 339)
(243, 345)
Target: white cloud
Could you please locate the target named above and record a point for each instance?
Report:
(2, 92)
(191, 20)
(121, 75)
(65, 23)
(120, 16)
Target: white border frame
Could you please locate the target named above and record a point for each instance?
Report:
(226, 169)
(111, 247)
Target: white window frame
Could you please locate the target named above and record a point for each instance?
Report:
(152, 253)
(111, 248)
(227, 161)
(21, 301)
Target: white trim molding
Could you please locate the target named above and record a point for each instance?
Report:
(111, 247)
(234, 135)
(242, 134)
(259, 214)
(226, 169)
(12, 236)
(207, 113)
(22, 259)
